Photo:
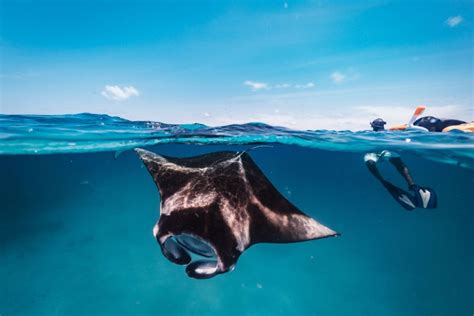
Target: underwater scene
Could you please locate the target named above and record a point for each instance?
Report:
(79, 208)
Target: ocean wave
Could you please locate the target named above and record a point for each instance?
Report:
(85, 132)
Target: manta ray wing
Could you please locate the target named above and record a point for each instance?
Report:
(283, 222)
(221, 203)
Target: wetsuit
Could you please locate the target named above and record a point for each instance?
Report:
(434, 124)
(371, 159)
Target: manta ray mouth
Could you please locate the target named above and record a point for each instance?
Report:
(178, 247)
(196, 245)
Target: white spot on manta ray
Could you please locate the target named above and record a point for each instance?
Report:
(239, 226)
(206, 270)
(155, 230)
(181, 200)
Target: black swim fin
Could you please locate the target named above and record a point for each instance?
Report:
(405, 199)
(424, 197)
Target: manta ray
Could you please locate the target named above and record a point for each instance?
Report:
(216, 206)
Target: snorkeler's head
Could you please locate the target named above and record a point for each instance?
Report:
(378, 125)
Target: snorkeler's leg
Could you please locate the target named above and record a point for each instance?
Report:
(424, 197)
(403, 170)
(371, 163)
(402, 197)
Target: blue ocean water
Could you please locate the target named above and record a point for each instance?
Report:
(78, 209)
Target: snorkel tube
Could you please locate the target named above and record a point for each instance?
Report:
(409, 126)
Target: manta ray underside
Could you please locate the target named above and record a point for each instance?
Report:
(217, 205)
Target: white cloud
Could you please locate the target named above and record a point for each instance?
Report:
(262, 85)
(256, 85)
(338, 77)
(305, 86)
(119, 93)
(454, 21)
(282, 85)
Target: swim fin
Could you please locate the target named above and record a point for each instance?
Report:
(424, 197)
(405, 199)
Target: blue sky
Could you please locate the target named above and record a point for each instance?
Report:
(301, 64)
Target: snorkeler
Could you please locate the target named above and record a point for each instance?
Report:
(431, 123)
(422, 197)
(434, 124)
